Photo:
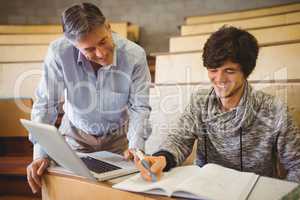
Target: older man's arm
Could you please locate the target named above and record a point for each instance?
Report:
(48, 96)
(139, 109)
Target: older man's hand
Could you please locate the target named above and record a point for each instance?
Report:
(129, 154)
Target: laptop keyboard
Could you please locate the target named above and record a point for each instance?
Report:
(98, 166)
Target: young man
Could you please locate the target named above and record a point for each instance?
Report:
(236, 126)
(104, 80)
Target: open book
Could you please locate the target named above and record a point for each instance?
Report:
(209, 182)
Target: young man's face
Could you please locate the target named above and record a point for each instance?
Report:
(227, 80)
(98, 46)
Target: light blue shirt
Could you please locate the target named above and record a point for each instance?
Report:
(95, 103)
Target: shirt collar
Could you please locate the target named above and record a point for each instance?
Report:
(80, 58)
(114, 60)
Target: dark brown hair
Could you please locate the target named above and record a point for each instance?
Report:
(234, 44)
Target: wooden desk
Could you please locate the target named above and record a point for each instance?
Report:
(59, 185)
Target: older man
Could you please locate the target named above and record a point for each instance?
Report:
(104, 80)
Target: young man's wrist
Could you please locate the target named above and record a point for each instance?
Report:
(170, 159)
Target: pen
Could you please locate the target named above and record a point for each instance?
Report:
(146, 165)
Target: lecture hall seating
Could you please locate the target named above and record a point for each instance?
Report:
(180, 72)
(266, 21)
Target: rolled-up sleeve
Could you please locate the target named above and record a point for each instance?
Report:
(48, 96)
(139, 108)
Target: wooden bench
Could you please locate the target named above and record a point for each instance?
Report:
(260, 22)
(243, 14)
(30, 29)
(12, 109)
(264, 36)
(19, 79)
(15, 148)
(125, 29)
(22, 53)
(276, 62)
(28, 39)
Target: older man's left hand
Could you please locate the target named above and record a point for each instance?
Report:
(129, 154)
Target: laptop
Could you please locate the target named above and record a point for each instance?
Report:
(101, 166)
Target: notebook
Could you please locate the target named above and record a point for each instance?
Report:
(99, 166)
(209, 182)
(292, 195)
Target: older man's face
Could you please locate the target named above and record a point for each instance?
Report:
(98, 46)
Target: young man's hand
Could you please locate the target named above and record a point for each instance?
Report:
(35, 171)
(157, 165)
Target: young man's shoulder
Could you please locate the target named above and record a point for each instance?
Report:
(268, 102)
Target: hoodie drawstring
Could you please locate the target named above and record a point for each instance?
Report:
(205, 149)
(241, 149)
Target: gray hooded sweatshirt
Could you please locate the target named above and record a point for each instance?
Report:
(254, 137)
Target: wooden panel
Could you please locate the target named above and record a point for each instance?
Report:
(151, 65)
(127, 30)
(242, 14)
(187, 43)
(180, 68)
(26, 51)
(22, 53)
(274, 63)
(15, 146)
(14, 165)
(168, 103)
(15, 185)
(30, 29)
(120, 28)
(11, 111)
(19, 197)
(27, 38)
(285, 33)
(19, 79)
(133, 32)
(274, 20)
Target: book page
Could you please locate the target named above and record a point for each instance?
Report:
(164, 186)
(217, 182)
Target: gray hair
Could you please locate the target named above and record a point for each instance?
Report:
(80, 19)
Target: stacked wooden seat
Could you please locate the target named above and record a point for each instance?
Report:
(125, 29)
(15, 148)
(259, 22)
(244, 14)
(180, 72)
(265, 36)
(275, 62)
